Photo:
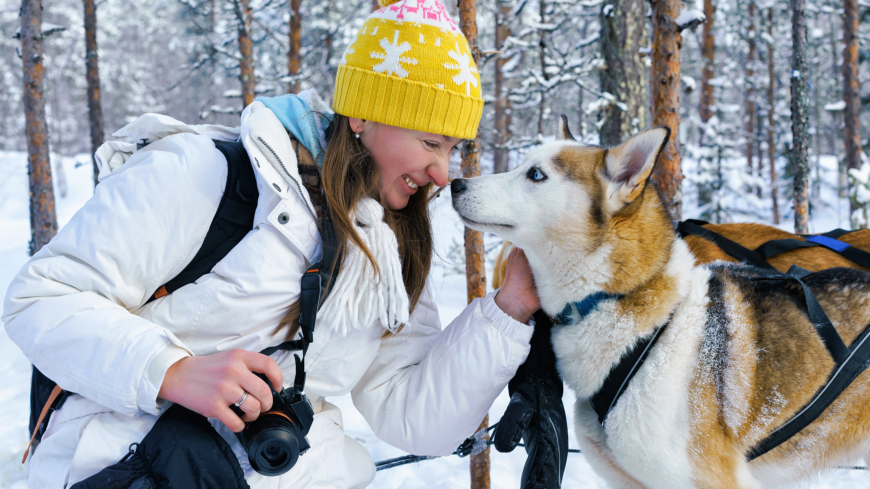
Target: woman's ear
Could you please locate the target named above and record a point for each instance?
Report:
(356, 125)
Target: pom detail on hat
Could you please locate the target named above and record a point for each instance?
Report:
(387, 3)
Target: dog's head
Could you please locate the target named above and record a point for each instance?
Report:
(568, 198)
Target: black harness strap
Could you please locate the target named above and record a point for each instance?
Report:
(619, 377)
(850, 362)
(856, 362)
(695, 227)
(776, 246)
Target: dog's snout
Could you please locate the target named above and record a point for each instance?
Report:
(457, 186)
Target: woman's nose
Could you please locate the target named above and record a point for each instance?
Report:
(438, 171)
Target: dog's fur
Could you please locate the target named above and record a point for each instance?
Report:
(738, 358)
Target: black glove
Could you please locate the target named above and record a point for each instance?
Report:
(536, 413)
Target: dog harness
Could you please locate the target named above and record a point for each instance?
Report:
(849, 361)
(758, 257)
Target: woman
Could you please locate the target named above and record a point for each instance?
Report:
(406, 94)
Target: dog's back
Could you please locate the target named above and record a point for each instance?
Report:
(762, 361)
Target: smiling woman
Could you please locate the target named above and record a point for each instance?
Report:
(406, 94)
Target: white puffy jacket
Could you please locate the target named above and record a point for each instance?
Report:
(76, 311)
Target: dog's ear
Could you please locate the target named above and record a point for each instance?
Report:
(564, 133)
(627, 167)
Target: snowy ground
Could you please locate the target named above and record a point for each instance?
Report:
(447, 472)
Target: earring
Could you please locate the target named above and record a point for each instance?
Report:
(357, 135)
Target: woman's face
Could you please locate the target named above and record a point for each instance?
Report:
(405, 159)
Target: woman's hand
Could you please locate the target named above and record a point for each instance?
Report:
(518, 297)
(209, 384)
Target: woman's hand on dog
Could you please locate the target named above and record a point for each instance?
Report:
(518, 297)
(209, 384)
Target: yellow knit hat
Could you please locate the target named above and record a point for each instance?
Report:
(410, 66)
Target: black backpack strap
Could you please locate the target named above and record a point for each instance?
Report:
(694, 227)
(232, 221)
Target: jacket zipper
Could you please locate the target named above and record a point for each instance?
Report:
(298, 187)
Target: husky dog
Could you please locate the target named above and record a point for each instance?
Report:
(738, 358)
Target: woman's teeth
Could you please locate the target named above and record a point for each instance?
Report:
(410, 182)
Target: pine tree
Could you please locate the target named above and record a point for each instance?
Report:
(95, 109)
(43, 221)
(294, 60)
(625, 77)
(665, 81)
(502, 104)
(771, 114)
(475, 252)
(851, 88)
(799, 117)
(246, 51)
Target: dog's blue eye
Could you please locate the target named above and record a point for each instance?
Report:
(535, 175)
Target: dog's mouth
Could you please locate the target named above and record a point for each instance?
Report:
(476, 223)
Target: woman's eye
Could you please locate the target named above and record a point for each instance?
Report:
(536, 175)
(431, 145)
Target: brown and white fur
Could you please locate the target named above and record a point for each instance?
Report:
(737, 359)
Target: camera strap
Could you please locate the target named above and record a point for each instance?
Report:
(316, 284)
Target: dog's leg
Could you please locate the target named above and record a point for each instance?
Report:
(590, 436)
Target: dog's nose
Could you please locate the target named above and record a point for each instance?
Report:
(457, 186)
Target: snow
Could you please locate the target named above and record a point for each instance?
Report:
(836, 106)
(689, 18)
(448, 282)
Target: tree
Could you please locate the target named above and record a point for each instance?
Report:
(665, 81)
(750, 92)
(851, 88)
(625, 77)
(43, 222)
(799, 117)
(771, 114)
(294, 61)
(95, 109)
(708, 51)
(475, 252)
(502, 104)
(246, 51)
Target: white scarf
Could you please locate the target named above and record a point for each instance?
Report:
(358, 297)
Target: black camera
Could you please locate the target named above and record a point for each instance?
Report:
(276, 438)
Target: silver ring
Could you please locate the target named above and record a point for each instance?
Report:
(244, 396)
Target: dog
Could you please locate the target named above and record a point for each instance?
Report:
(738, 358)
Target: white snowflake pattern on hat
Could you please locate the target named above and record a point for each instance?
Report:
(392, 57)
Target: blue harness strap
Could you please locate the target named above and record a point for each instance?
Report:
(575, 312)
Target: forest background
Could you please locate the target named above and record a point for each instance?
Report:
(763, 118)
(587, 59)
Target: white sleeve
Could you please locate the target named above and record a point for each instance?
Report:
(68, 309)
(428, 390)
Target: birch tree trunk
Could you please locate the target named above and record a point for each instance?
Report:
(502, 104)
(771, 116)
(43, 221)
(665, 81)
(95, 110)
(294, 62)
(851, 89)
(622, 35)
(474, 251)
(799, 117)
(246, 51)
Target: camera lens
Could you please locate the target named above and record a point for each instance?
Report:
(272, 449)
